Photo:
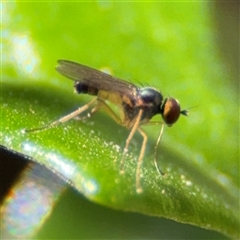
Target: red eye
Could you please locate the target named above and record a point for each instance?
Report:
(171, 111)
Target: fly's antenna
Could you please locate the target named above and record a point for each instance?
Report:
(185, 112)
(155, 152)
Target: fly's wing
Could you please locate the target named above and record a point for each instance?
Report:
(95, 78)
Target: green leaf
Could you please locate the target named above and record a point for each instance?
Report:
(171, 48)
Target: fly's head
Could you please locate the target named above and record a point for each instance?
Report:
(171, 111)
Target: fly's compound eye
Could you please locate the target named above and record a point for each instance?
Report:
(171, 111)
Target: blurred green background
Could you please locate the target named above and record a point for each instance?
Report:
(189, 51)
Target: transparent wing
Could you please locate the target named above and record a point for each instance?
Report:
(95, 78)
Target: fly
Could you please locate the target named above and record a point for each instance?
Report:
(136, 105)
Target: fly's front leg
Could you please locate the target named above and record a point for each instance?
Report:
(155, 152)
(130, 136)
(157, 143)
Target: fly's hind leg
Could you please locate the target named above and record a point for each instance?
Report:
(109, 111)
(103, 105)
(68, 117)
(93, 110)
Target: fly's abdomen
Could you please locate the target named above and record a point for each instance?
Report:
(82, 87)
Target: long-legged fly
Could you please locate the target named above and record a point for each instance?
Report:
(136, 105)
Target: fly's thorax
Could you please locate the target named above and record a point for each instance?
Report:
(148, 99)
(83, 87)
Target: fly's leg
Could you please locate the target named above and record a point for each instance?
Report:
(66, 118)
(130, 136)
(133, 130)
(157, 143)
(110, 112)
(103, 105)
(155, 151)
(93, 110)
(140, 160)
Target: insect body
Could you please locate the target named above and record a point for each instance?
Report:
(136, 105)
